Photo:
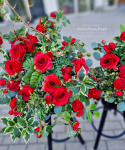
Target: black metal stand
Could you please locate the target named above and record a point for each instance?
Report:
(107, 106)
(50, 139)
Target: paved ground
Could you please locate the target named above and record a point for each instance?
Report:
(114, 124)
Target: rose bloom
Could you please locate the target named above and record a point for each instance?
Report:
(32, 38)
(66, 77)
(76, 125)
(119, 84)
(13, 85)
(41, 28)
(50, 82)
(29, 46)
(13, 66)
(48, 99)
(61, 96)
(94, 93)
(118, 93)
(17, 51)
(122, 36)
(5, 91)
(112, 45)
(2, 82)
(62, 47)
(43, 62)
(52, 14)
(48, 53)
(121, 74)
(78, 107)
(13, 104)
(121, 67)
(78, 63)
(1, 41)
(25, 92)
(109, 61)
(73, 40)
(64, 43)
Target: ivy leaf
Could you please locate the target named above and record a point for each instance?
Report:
(49, 129)
(30, 130)
(9, 129)
(4, 121)
(83, 89)
(2, 130)
(23, 132)
(21, 122)
(16, 131)
(11, 123)
(27, 137)
(30, 121)
(81, 73)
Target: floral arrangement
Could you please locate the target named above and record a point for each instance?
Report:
(43, 75)
(110, 75)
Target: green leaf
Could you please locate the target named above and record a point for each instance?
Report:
(87, 102)
(85, 114)
(67, 21)
(122, 28)
(60, 114)
(83, 89)
(17, 42)
(4, 121)
(27, 137)
(4, 99)
(81, 73)
(34, 79)
(97, 56)
(89, 114)
(121, 106)
(80, 48)
(23, 133)
(16, 131)
(64, 24)
(21, 122)
(28, 64)
(35, 124)
(64, 17)
(11, 123)
(12, 93)
(30, 121)
(77, 41)
(89, 85)
(30, 130)
(93, 106)
(45, 133)
(49, 129)
(89, 62)
(11, 17)
(2, 130)
(67, 116)
(57, 110)
(111, 100)
(94, 45)
(9, 129)
(97, 114)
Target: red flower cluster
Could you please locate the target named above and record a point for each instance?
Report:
(13, 85)
(118, 93)
(13, 105)
(119, 84)
(76, 125)
(1, 41)
(78, 107)
(66, 73)
(38, 129)
(2, 82)
(109, 48)
(25, 92)
(94, 93)
(122, 36)
(121, 74)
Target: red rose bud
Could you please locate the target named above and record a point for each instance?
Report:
(62, 47)
(88, 54)
(40, 27)
(13, 104)
(82, 44)
(64, 43)
(103, 42)
(68, 70)
(71, 81)
(122, 36)
(38, 135)
(79, 130)
(5, 91)
(14, 31)
(38, 128)
(2, 82)
(118, 93)
(79, 54)
(76, 125)
(73, 40)
(115, 68)
(94, 93)
(1, 41)
(52, 14)
(51, 24)
(66, 77)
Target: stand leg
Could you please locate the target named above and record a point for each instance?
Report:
(81, 140)
(105, 110)
(124, 115)
(50, 137)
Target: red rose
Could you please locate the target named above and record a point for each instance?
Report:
(78, 63)
(38, 128)
(51, 24)
(1, 41)
(66, 77)
(121, 74)
(38, 135)
(43, 62)
(63, 70)
(32, 38)
(17, 51)
(121, 67)
(13, 66)
(76, 125)
(107, 48)
(119, 84)
(13, 104)
(112, 45)
(118, 93)
(5, 91)
(62, 47)
(122, 36)
(64, 43)
(25, 92)
(109, 61)
(48, 53)
(2, 82)
(17, 114)
(41, 28)
(48, 99)
(82, 44)
(94, 93)
(13, 85)
(61, 96)
(93, 78)
(52, 14)
(11, 112)
(73, 40)
(50, 82)
(29, 46)
(68, 70)
(78, 107)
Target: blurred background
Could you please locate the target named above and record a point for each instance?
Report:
(91, 21)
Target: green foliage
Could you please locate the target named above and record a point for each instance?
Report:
(57, 110)
(93, 106)
(28, 64)
(4, 99)
(122, 28)
(85, 114)
(121, 106)
(81, 74)
(21, 122)
(89, 62)
(67, 116)
(97, 114)
(80, 48)
(4, 121)
(97, 56)
(89, 115)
